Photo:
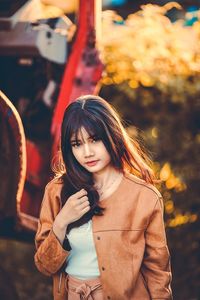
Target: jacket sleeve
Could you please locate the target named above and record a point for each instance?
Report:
(156, 266)
(50, 255)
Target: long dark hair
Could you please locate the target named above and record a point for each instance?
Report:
(99, 119)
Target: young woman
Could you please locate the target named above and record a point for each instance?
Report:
(101, 232)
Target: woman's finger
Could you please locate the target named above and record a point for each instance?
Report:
(81, 193)
(86, 209)
(83, 199)
(84, 205)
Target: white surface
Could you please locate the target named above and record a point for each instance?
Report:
(82, 260)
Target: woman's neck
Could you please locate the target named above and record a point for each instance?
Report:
(106, 180)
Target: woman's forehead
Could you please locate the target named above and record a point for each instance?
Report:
(81, 134)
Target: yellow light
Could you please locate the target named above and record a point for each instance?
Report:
(117, 79)
(133, 84)
(165, 172)
(137, 64)
(169, 207)
(193, 218)
(197, 138)
(185, 219)
(181, 186)
(154, 132)
(172, 223)
(152, 50)
(181, 219)
(171, 182)
(110, 68)
(146, 80)
(106, 81)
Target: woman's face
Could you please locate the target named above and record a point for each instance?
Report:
(90, 152)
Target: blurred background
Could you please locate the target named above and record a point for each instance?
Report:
(141, 56)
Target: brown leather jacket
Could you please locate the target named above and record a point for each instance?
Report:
(129, 238)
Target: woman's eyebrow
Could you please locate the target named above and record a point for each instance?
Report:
(78, 140)
(75, 140)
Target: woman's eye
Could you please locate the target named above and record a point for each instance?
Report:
(95, 139)
(76, 145)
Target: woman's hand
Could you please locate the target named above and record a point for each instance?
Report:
(75, 207)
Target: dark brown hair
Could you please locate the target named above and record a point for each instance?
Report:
(98, 118)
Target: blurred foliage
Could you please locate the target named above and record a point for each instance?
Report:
(152, 76)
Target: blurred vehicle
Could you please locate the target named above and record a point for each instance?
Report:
(42, 62)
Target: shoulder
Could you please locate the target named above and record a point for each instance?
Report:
(144, 195)
(51, 199)
(54, 184)
(52, 191)
(142, 188)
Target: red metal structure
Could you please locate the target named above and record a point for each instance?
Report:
(12, 158)
(81, 75)
(84, 68)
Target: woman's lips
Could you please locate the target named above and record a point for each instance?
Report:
(92, 163)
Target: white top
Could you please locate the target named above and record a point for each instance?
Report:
(82, 261)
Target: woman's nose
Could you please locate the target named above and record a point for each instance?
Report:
(88, 150)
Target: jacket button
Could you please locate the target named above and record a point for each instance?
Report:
(103, 268)
(98, 238)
